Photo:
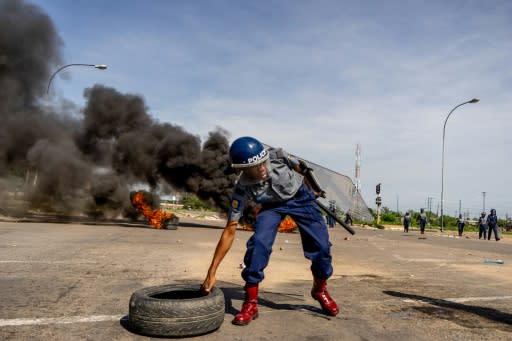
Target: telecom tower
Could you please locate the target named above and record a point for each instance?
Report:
(358, 169)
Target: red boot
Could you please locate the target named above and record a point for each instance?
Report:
(249, 310)
(319, 293)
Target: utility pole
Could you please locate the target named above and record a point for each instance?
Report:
(483, 196)
(358, 168)
(430, 204)
(460, 202)
(429, 207)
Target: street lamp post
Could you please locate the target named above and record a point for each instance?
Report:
(97, 66)
(474, 100)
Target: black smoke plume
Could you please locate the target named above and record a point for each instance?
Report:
(89, 164)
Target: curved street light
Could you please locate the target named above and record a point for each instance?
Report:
(474, 100)
(97, 66)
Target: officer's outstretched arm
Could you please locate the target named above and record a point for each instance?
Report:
(223, 246)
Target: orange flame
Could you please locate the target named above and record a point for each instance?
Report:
(157, 218)
(287, 225)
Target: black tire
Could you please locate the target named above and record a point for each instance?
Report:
(172, 224)
(175, 310)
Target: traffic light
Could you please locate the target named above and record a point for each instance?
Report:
(377, 189)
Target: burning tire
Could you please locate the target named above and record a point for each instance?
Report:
(177, 310)
(172, 224)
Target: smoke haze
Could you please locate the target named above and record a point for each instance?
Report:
(88, 164)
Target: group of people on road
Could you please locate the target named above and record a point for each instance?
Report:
(484, 223)
(491, 223)
(422, 220)
(330, 221)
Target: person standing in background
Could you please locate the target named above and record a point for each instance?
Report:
(460, 225)
(348, 219)
(492, 223)
(330, 219)
(422, 220)
(407, 222)
(482, 226)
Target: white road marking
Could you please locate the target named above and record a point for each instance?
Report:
(48, 262)
(59, 320)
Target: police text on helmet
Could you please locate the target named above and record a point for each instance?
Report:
(258, 157)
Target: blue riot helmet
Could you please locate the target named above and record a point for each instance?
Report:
(483, 214)
(493, 211)
(247, 152)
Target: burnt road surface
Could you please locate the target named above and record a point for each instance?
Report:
(74, 281)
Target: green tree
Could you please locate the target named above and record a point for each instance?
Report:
(191, 201)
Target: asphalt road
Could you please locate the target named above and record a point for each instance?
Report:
(74, 282)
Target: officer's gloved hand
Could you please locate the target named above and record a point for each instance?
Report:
(303, 165)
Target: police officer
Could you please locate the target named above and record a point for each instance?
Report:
(348, 219)
(407, 222)
(271, 178)
(460, 225)
(332, 208)
(422, 220)
(492, 223)
(482, 226)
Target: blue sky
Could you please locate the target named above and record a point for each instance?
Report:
(316, 78)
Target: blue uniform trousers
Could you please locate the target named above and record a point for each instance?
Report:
(313, 232)
(482, 230)
(493, 227)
